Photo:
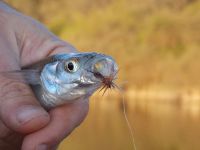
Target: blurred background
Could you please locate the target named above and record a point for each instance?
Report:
(157, 46)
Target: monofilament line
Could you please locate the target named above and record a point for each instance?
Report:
(125, 116)
(128, 122)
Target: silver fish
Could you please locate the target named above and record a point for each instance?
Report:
(67, 77)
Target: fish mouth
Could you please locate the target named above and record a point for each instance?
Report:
(96, 80)
(103, 72)
(85, 85)
(107, 82)
(98, 71)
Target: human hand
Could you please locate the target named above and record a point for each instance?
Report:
(24, 124)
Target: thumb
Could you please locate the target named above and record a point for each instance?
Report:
(19, 109)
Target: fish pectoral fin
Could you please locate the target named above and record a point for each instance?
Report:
(29, 76)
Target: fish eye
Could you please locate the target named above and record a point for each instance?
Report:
(72, 65)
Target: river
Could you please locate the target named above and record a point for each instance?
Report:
(156, 125)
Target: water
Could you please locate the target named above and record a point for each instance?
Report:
(157, 126)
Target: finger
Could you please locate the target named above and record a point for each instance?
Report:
(51, 45)
(9, 140)
(19, 110)
(63, 120)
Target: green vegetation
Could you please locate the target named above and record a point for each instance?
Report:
(154, 42)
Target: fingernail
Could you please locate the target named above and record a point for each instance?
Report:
(27, 113)
(42, 147)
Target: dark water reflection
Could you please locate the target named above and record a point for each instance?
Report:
(157, 126)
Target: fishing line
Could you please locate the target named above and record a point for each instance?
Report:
(115, 86)
(128, 123)
(131, 130)
(108, 83)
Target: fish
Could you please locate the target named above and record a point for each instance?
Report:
(66, 77)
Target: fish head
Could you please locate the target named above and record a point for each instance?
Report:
(77, 75)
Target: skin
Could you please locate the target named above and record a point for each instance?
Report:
(24, 124)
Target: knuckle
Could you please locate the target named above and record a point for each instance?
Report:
(13, 89)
